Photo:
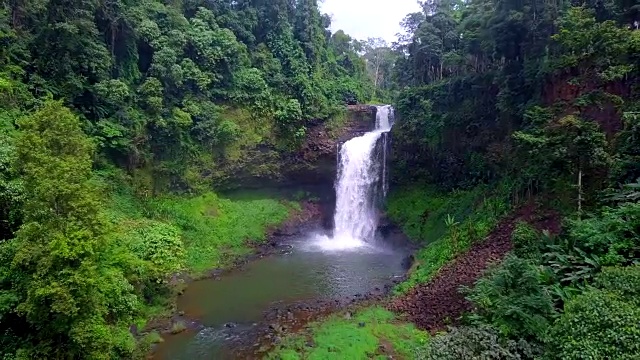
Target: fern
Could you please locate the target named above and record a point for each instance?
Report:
(512, 297)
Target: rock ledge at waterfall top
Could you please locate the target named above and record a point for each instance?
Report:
(315, 162)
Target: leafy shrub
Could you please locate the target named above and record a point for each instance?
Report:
(596, 325)
(570, 265)
(622, 281)
(288, 116)
(512, 298)
(481, 342)
(610, 239)
(145, 344)
(526, 241)
(628, 193)
(614, 235)
(149, 252)
(160, 244)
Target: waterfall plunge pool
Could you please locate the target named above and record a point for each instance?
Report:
(308, 272)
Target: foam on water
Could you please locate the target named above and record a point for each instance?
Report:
(327, 243)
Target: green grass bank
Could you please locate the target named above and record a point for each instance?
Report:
(164, 239)
(445, 224)
(371, 333)
(213, 230)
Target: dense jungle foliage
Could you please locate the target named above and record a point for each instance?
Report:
(543, 98)
(177, 87)
(538, 92)
(107, 107)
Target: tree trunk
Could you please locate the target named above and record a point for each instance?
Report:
(375, 80)
(580, 192)
(113, 43)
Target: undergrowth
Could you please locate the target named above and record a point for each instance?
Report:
(363, 336)
(168, 235)
(422, 211)
(336, 123)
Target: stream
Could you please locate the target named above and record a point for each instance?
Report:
(351, 259)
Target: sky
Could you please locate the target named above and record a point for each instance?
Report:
(362, 19)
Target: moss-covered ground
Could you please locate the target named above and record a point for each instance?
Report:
(371, 333)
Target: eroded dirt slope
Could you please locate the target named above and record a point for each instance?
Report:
(438, 303)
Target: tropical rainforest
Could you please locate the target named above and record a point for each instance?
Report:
(120, 119)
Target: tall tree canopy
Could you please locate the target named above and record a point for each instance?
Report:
(148, 75)
(539, 102)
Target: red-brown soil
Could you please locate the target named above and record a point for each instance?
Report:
(439, 303)
(563, 89)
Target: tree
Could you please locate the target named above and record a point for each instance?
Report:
(599, 325)
(309, 31)
(567, 146)
(74, 39)
(171, 90)
(72, 302)
(10, 189)
(380, 61)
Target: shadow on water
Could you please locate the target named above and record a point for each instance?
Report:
(228, 308)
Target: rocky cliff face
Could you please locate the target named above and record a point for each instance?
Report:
(314, 163)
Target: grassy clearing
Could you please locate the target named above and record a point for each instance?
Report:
(448, 223)
(192, 234)
(362, 336)
(213, 230)
(155, 238)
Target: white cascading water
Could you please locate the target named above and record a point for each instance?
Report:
(361, 183)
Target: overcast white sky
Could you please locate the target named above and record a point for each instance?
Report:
(369, 18)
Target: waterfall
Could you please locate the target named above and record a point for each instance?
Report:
(361, 183)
